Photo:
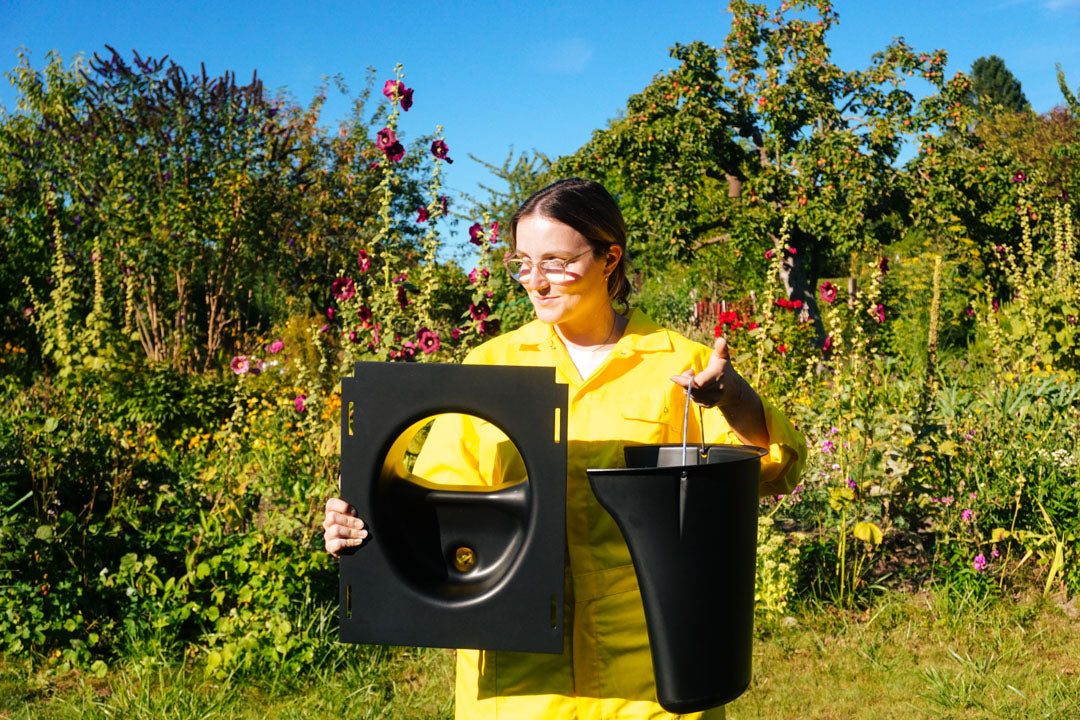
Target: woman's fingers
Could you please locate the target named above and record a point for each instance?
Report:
(341, 528)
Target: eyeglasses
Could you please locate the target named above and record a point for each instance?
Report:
(554, 269)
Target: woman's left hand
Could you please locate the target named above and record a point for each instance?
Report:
(716, 385)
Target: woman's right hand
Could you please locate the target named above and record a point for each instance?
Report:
(341, 528)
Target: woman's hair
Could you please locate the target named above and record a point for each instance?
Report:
(589, 208)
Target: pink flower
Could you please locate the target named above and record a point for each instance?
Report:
(967, 515)
(406, 99)
(299, 404)
(353, 337)
(401, 278)
(980, 562)
(494, 232)
(439, 149)
(994, 553)
(385, 138)
(422, 215)
(480, 310)
(828, 344)
(240, 365)
(373, 165)
(393, 87)
(782, 349)
(828, 292)
(364, 313)
(445, 203)
(324, 328)
(1019, 177)
(455, 333)
(477, 274)
(343, 288)
(429, 340)
(27, 312)
(402, 297)
(792, 251)
(476, 234)
(879, 313)
(275, 347)
(329, 313)
(395, 151)
(769, 254)
(363, 260)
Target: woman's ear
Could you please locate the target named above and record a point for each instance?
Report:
(614, 255)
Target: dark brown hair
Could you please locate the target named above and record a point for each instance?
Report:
(589, 208)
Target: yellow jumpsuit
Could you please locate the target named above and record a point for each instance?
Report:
(605, 670)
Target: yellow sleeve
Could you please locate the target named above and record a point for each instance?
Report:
(451, 454)
(781, 468)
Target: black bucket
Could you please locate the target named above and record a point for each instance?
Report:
(690, 521)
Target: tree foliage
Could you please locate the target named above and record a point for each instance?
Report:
(993, 86)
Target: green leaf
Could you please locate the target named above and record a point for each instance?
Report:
(44, 532)
(868, 532)
(99, 668)
(51, 424)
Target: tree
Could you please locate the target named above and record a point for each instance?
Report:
(736, 139)
(994, 86)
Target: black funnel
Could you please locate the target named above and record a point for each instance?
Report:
(453, 566)
(690, 522)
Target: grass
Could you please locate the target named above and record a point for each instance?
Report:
(932, 654)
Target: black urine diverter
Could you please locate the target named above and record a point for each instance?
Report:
(690, 522)
(453, 566)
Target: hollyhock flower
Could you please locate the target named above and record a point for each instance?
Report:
(445, 203)
(979, 562)
(494, 232)
(793, 251)
(329, 313)
(752, 326)
(343, 288)
(879, 313)
(275, 347)
(299, 404)
(782, 349)
(490, 327)
(439, 149)
(828, 344)
(401, 278)
(478, 274)
(796, 304)
(422, 215)
(476, 234)
(969, 312)
(385, 138)
(769, 254)
(480, 310)
(363, 260)
(374, 165)
(324, 328)
(406, 99)
(883, 265)
(364, 313)
(429, 340)
(27, 312)
(456, 334)
(402, 298)
(395, 152)
(392, 87)
(828, 292)
(353, 337)
(994, 304)
(240, 365)
(1019, 177)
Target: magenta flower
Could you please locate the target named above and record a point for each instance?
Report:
(402, 298)
(385, 138)
(445, 203)
(490, 327)
(353, 337)
(439, 149)
(422, 215)
(393, 87)
(299, 404)
(364, 313)
(343, 288)
(828, 344)
(27, 312)
(494, 232)
(828, 446)
(329, 313)
(363, 260)
(240, 365)
(429, 340)
(406, 99)
(994, 553)
(828, 292)
(480, 310)
(401, 278)
(883, 265)
(980, 562)
(967, 515)
(792, 251)
(395, 152)
(324, 328)
(1019, 177)
(879, 313)
(275, 347)
(476, 234)
(373, 165)
(455, 333)
(478, 274)
(769, 254)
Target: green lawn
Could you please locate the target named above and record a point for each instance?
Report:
(929, 655)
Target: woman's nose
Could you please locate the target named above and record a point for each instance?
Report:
(535, 280)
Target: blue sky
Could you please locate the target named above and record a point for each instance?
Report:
(498, 75)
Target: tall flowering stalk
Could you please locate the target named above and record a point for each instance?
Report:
(930, 376)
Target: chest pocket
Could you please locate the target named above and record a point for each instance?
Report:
(651, 418)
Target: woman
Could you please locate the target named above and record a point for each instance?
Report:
(627, 378)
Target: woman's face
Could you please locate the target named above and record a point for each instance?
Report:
(577, 304)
